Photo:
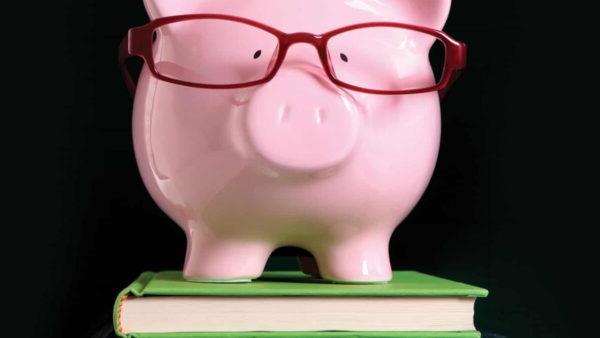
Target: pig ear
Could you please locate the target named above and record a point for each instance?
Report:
(161, 8)
(428, 13)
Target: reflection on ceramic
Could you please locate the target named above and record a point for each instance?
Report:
(296, 161)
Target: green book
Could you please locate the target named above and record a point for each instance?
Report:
(290, 304)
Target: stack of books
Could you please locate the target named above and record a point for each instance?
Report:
(290, 304)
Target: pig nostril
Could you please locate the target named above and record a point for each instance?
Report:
(257, 54)
(284, 114)
(320, 116)
(344, 57)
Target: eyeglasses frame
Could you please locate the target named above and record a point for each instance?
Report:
(138, 42)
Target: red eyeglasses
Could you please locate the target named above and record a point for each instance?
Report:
(225, 52)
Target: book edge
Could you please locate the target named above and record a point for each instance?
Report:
(475, 291)
(134, 325)
(137, 289)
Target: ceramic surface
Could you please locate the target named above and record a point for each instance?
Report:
(297, 161)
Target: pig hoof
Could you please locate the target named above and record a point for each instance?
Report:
(348, 275)
(355, 262)
(345, 278)
(357, 282)
(334, 280)
(214, 260)
(218, 281)
(207, 278)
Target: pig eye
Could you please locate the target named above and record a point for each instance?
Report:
(257, 54)
(343, 57)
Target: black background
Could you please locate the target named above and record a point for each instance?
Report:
(507, 208)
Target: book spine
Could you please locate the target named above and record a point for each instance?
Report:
(137, 289)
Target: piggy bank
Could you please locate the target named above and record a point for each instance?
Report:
(259, 124)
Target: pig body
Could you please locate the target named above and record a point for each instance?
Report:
(296, 161)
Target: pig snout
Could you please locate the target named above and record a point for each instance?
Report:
(299, 121)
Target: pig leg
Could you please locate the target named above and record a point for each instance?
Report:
(362, 259)
(211, 259)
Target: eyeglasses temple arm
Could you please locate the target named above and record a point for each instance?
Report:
(457, 71)
(124, 54)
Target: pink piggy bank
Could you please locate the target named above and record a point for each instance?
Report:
(259, 124)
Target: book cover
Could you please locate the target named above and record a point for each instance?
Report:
(291, 283)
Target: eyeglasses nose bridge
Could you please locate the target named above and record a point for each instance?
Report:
(303, 37)
(317, 41)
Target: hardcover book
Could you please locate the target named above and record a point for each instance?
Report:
(291, 304)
